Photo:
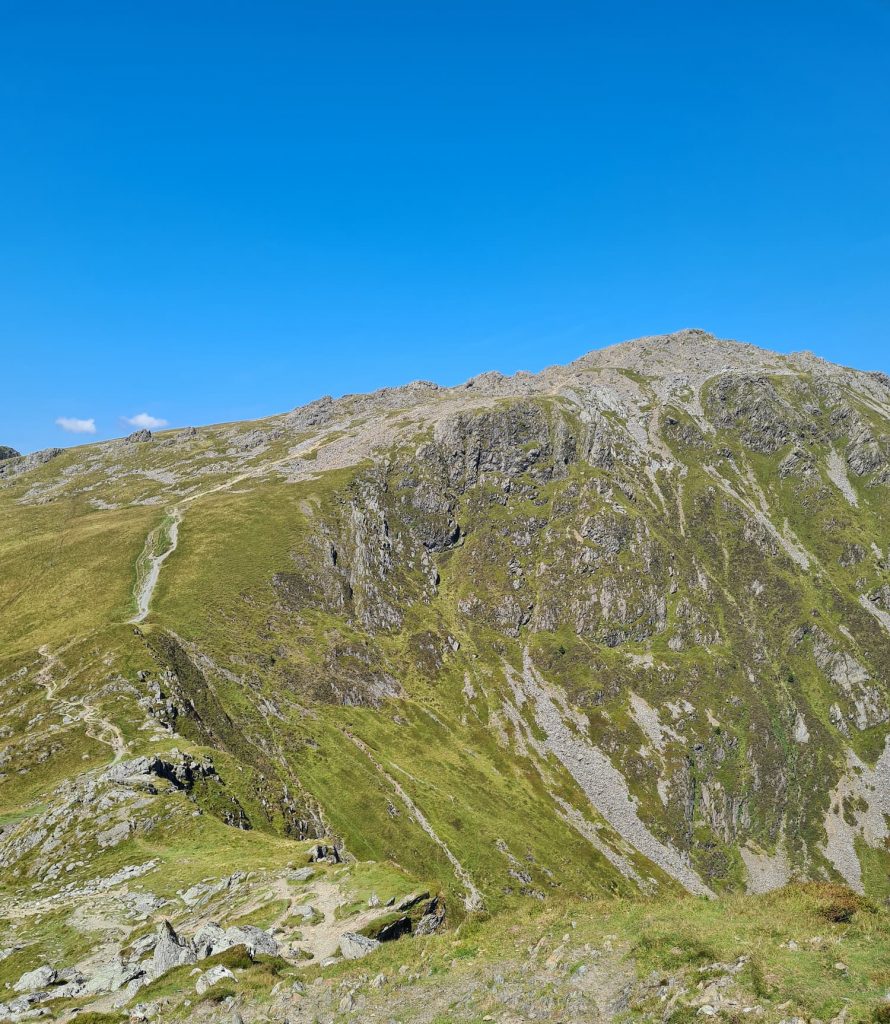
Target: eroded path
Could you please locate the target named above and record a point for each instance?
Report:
(53, 676)
(154, 554)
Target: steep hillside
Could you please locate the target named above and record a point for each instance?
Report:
(610, 635)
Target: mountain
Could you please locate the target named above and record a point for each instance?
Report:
(597, 642)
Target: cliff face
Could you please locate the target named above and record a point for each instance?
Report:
(622, 625)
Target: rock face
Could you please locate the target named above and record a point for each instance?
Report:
(14, 464)
(8, 453)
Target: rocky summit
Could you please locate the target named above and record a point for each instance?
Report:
(552, 697)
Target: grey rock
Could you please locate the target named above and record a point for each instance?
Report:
(15, 465)
(255, 939)
(112, 976)
(354, 947)
(322, 853)
(138, 436)
(35, 980)
(433, 916)
(210, 939)
(171, 950)
(210, 978)
(8, 453)
(407, 902)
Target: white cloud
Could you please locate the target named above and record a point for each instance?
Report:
(142, 419)
(76, 426)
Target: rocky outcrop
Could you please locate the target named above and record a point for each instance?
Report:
(15, 465)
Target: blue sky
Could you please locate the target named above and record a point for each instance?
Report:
(220, 210)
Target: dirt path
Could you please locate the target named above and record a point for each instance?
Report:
(148, 565)
(150, 561)
(52, 676)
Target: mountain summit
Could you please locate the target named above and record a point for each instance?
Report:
(616, 631)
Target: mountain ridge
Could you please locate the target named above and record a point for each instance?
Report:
(648, 346)
(615, 630)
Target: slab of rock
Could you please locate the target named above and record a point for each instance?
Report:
(210, 978)
(354, 947)
(35, 980)
(407, 902)
(432, 917)
(112, 976)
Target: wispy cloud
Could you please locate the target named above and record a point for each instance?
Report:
(142, 419)
(76, 426)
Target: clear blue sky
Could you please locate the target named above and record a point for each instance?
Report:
(219, 210)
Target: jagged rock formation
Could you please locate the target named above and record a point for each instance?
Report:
(620, 626)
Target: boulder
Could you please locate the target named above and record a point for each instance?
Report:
(35, 980)
(170, 951)
(210, 939)
(210, 978)
(354, 947)
(254, 939)
(138, 436)
(432, 917)
(320, 853)
(13, 465)
(112, 976)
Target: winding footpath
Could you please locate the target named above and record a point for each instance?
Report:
(79, 709)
